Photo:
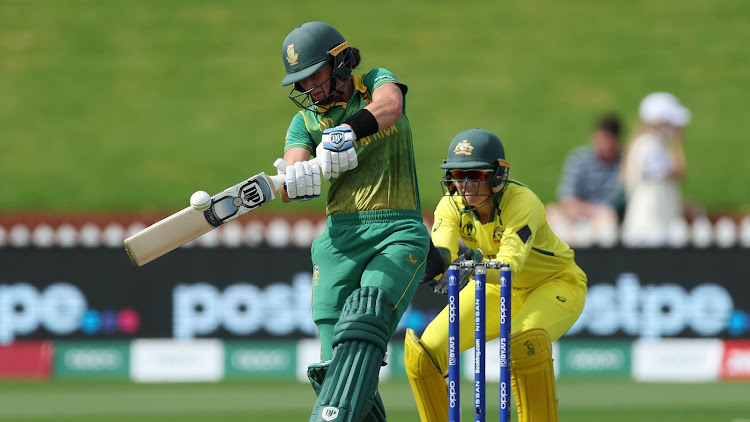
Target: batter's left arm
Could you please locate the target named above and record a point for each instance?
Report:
(387, 104)
(385, 109)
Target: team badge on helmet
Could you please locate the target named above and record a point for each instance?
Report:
(463, 148)
(291, 56)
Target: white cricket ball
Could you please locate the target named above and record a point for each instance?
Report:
(200, 200)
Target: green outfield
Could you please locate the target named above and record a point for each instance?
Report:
(133, 105)
(279, 401)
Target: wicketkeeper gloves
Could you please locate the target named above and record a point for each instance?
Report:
(435, 268)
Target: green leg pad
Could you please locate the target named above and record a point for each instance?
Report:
(360, 340)
(377, 411)
(316, 373)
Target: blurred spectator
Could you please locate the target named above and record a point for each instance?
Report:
(590, 191)
(653, 169)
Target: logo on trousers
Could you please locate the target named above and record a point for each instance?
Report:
(329, 413)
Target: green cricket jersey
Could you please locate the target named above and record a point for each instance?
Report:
(385, 177)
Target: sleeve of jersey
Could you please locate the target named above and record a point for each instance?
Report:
(297, 136)
(379, 76)
(522, 219)
(445, 228)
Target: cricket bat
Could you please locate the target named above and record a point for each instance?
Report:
(203, 215)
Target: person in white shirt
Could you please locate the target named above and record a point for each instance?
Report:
(653, 169)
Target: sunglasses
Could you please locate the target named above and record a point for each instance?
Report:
(470, 174)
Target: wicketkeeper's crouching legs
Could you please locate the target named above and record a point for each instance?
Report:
(532, 378)
(348, 392)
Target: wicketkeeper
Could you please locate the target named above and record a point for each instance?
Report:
(368, 262)
(506, 220)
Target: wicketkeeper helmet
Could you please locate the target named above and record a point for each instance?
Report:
(477, 149)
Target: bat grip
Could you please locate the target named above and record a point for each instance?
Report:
(278, 181)
(281, 166)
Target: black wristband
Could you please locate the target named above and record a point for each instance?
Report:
(363, 123)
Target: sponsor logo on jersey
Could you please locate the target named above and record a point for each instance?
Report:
(384, 77)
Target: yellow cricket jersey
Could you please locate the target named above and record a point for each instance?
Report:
(518, 234)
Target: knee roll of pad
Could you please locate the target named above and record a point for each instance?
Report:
(360, 341)
(366, 316)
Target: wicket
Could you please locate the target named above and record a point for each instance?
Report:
(454, 352)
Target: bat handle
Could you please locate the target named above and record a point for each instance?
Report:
(278, 181)
(281, 165)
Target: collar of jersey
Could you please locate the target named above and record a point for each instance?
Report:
(358, 86)
(461, 204)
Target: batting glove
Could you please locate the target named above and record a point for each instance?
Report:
(301, 180)
(336, 151)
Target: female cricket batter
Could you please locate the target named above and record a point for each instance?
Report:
(368, 262)
(506, 220)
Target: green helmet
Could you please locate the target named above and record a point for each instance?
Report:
(474, 149)
(477, 149)
(310, 46)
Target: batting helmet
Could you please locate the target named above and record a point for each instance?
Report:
(308, 48)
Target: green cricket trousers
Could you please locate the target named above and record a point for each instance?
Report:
(381, 248)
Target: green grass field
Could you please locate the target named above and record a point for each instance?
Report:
(133, 105)
(278, 401)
